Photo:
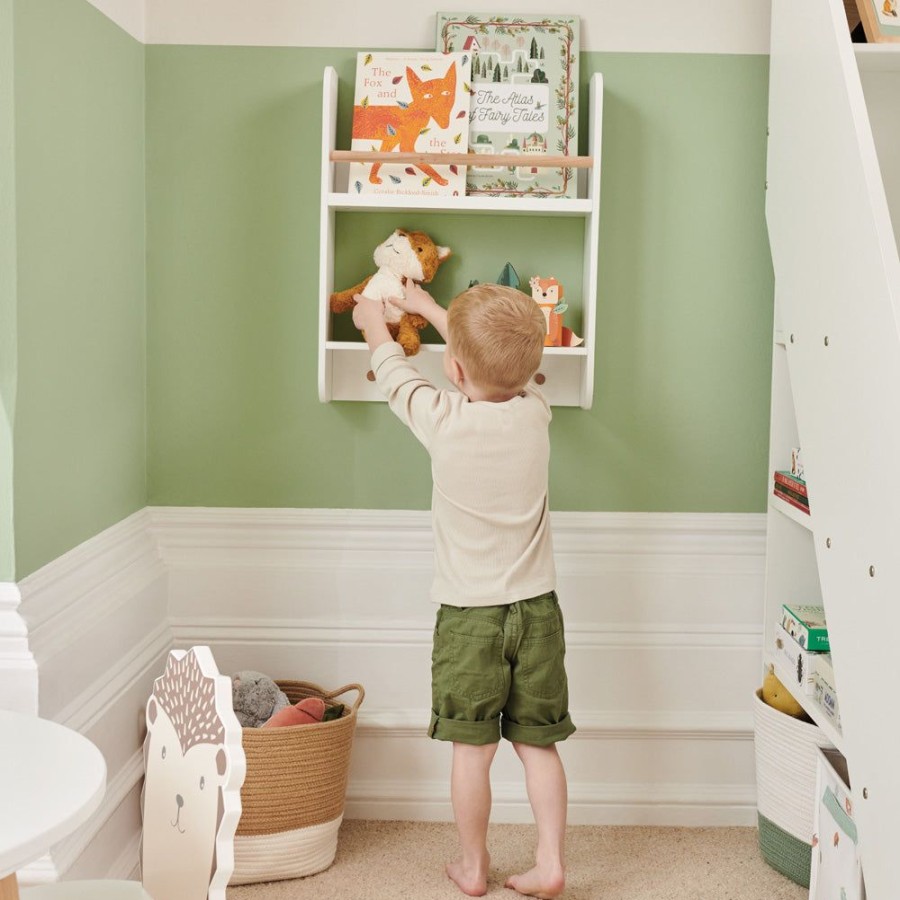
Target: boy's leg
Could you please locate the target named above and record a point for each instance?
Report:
(545, 780)
(470, 793)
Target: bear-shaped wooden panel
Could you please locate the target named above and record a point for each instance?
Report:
(194, 768)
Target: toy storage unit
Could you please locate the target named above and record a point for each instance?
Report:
(831, 191)
(292, 801)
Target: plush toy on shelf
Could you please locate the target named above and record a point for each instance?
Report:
(256, 698)
(548, 294)
(404, 256)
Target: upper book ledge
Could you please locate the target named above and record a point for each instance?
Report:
(339, 196)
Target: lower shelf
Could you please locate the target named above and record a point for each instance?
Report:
(800, 517)
(808, 702)
(347, 366)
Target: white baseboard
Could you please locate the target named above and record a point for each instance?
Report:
(663, 617)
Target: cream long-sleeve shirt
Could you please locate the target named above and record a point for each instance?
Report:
(489, 464)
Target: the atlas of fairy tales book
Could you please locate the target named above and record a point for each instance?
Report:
(524, 97)
(411, 103)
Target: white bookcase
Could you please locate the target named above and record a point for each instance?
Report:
(568, 372)
(832, 186)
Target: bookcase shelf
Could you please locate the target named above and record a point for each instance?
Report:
(343, 366)
(809, 704)
(461, 205)
(801, 518)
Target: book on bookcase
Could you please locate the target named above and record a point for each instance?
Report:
(524, 97)
(410, 103)
(791, 482)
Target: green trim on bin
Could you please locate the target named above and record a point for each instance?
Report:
(783, 852)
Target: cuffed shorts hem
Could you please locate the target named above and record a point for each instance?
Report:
(484, 732)
(537, 735)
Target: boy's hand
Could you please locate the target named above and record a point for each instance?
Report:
(367, 313)
(415, 300)
(368, 317)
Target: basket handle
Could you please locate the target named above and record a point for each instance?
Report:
(360, 694)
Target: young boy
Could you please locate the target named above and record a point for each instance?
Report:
(497, 662)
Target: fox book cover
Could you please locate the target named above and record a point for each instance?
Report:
(524, 97)
(411, 103)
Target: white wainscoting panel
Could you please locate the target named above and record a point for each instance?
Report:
(663, 620)
(663, 632)
(18, 670)
(97, 624)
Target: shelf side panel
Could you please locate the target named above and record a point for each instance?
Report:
(836, 273)
(592, 241)
(326, 230)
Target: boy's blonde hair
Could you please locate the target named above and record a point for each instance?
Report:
(498, 334)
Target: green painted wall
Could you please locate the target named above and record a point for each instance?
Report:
(680, 416)
(7, 291)
(79, 442)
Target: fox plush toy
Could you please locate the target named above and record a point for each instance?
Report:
(404, 256)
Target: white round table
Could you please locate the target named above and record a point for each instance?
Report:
(51, 780)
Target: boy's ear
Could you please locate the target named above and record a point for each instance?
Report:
(457, 376)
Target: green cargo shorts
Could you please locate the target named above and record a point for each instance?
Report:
(500, 670)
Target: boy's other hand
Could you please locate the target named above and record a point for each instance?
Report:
(415, 300)
(367, 313)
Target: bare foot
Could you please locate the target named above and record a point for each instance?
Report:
(471, 880)
(545, 883)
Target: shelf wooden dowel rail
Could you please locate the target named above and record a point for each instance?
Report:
(540, 161)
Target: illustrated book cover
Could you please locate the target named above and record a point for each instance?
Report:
(410, 103)
(524, 97)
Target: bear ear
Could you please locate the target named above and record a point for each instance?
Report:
(151, 711)
(443, 253)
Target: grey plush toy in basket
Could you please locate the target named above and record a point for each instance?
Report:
(293, 796)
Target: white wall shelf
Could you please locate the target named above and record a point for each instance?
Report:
(832, 191)
(343, 366)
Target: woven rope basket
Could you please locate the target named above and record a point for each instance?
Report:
(786, 788)
(292, 801)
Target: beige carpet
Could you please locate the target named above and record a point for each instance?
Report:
(387, 860)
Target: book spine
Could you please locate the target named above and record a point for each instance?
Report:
(787, 492)
(792, 483)
(792, 501)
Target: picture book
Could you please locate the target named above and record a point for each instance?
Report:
(524, 97)
(807, 626)
(410, 103)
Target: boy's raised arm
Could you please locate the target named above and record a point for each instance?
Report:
(411, 396)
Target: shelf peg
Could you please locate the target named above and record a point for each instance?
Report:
(828, 543)
(871, 571)
(540, 378)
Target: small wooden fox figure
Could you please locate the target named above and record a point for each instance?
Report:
(397, 125)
